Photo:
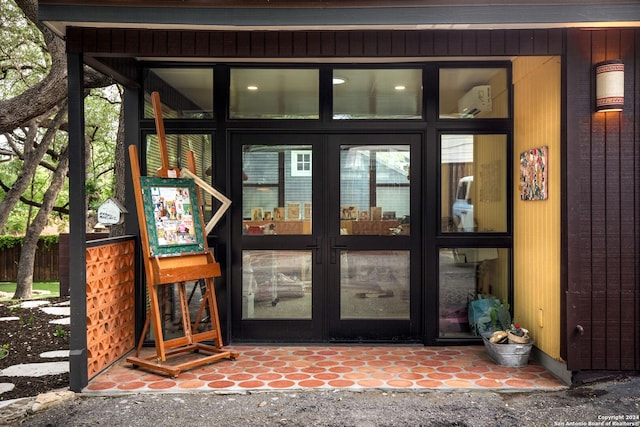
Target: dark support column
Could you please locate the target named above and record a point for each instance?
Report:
(78, 378)
(131, 137)
(130, 103)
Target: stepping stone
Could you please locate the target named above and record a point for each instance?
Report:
(57, 311)
(63, 303)
(33, 304)
(5, 387)
(63, 321)
(35, 369)
(56, 353)
(7, 319)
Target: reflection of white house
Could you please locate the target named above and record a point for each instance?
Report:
(457, 149)
(391, 177)
(391, 168)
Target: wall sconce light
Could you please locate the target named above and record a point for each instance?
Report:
(610, 86)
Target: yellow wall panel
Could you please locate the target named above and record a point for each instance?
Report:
(489, 195)
(537, 94)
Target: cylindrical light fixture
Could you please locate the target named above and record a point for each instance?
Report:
(610, 85)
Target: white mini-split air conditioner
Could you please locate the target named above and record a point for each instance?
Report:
(477, 100)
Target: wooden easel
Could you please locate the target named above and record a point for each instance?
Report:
(176, 269)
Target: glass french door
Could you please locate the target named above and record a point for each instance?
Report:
(373, 238)
(324, 246)
(278, 256)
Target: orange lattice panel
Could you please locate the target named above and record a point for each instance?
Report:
(110, 304)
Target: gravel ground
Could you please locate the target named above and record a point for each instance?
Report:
(616, 402)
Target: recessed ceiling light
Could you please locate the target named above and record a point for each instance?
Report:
(338, 80)
(252, 87)
(400, 87)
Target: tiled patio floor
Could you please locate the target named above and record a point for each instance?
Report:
(397, 368)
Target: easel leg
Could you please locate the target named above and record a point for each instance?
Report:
(203, 306)
(156, 323)
(184, 309)
(213, 309)
(145, 329)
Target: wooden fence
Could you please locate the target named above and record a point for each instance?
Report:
(45, 266)
(51, 262)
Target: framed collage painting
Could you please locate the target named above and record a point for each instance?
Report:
(172, 215)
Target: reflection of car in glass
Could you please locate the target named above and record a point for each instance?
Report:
(462, 209)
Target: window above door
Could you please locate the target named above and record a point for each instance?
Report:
(473, 93)
(377, 94)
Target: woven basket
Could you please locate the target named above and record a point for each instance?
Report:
(515, 339)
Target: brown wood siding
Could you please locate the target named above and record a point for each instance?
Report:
(602, 208)
(112, 51)
(314, 44)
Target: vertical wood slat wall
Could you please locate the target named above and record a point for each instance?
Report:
(537, 224)
(602, 207)
(312, 44)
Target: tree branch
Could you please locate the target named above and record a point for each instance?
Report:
(50, 91)
(59, 209)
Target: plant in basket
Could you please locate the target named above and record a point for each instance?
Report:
(500, 317)
(513, 335)
(518, 335)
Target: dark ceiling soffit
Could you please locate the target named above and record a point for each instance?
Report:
(106, 67)
(428, 15)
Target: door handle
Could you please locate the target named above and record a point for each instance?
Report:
(317, 247)
(333, 252)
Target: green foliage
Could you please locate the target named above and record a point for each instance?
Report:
(47, 242)
(24, 58)
(24, 62)
(60, 332)
(500, 317)
(7, 242)
(102, 109)
(4, 350)
(32, 320)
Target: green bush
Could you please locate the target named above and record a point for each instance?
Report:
(7, 242)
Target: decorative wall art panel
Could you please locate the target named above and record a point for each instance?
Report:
(533, 174)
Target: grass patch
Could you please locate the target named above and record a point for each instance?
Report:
(50, 289)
